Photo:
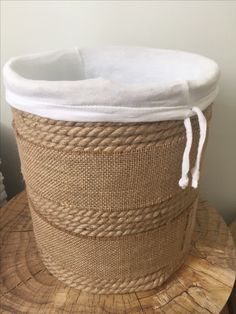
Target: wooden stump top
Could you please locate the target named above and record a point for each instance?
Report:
(202, 285)
(233, 230)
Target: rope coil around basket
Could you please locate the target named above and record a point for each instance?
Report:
(62, 265)
(108, 193)
(102, 287)
(106, 224)
(95, 136)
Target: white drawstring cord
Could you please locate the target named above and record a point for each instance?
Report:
(203, 130)
(183, 182)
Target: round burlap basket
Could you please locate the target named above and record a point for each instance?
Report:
(108, 213)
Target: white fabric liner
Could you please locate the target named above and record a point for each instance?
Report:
(119, 84)
(116, 84)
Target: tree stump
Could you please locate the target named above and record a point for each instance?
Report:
(232, 300)
(202, 285)
(233, 230)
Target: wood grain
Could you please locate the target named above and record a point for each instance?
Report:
(232, 299)
(232, 228)
(202, 285)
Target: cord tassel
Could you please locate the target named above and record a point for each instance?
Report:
(183, 182)
(203, 130)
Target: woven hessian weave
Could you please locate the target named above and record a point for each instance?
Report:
(108, 214)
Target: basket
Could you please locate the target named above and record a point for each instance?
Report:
(112, 206)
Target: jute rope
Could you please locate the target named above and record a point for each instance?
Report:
(131, 263)
(95, 136)
(106, 181)
(104, 286)
(108, 214)
(99, 223)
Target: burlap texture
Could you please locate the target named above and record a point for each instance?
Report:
(108, 214)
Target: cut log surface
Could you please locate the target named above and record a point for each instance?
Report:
(232, 300)
(233, 230)
(202, 285)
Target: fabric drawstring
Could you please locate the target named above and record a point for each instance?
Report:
(184, 180)
(203, 130)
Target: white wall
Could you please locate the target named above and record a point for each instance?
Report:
(205, 27)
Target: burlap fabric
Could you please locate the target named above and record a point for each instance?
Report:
(108, 214)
